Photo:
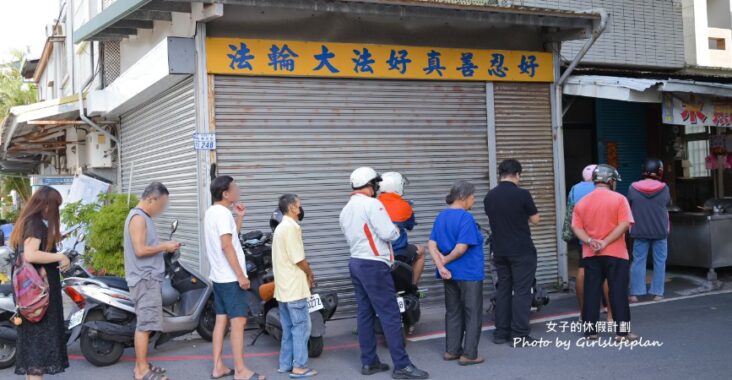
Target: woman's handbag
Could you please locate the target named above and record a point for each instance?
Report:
(30, 287)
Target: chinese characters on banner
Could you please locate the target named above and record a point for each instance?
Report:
(696, 110)
(239, 56)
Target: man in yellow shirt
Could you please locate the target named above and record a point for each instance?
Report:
(293, 280)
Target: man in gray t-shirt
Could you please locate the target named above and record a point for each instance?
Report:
(145, 270)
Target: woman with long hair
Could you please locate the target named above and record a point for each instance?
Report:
(41, 346)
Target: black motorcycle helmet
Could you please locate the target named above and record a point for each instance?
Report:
(653, 169)
(275, 219)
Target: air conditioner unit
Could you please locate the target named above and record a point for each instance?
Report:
(98, 150)
(76, 149)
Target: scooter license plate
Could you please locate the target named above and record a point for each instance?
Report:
(402, 306)
(315, 303)
(76, 319)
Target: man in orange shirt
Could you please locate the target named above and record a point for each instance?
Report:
(600, 220)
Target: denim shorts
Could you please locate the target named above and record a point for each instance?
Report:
(230, 300)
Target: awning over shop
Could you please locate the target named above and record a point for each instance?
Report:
(639, 90)
(123, 18)
(29, 131)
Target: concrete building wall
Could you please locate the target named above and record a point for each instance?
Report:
(642, 33)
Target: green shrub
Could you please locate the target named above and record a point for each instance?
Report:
(104, 222)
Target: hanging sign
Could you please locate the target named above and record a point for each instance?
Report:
(696, 110)
(243, 56)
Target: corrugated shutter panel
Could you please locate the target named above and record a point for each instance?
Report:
(524, 132)
(305, 136)
(157, 146)
(622, 123)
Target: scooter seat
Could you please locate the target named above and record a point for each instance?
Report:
(113, 282)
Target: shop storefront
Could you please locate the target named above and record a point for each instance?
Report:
(684, 123)
(293, 116)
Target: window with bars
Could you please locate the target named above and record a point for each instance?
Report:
(697, 149)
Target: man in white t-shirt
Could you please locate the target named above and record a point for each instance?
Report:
(229, 276)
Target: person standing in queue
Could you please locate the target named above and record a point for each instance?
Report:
(456, 247)
(579, 191)
(510, 209)
(649, 201)
(293, 280)
(145, 271)
(600, 220)
(228, 275)
(369, 231)
(41, 346)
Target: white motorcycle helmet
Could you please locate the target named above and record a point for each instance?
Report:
(363, 176)
(393, 182)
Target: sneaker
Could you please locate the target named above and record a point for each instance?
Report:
(374, 368)
(409, 372)
(524, 342)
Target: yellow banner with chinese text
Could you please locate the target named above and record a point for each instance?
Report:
(243, 56)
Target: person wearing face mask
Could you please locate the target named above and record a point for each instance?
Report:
(369, 232)
(293, 280)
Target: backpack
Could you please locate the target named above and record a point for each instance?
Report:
(30, 287)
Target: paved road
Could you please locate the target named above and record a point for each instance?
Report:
(694, 333)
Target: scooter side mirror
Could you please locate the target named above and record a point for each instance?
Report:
(174, 226)
(81, 238)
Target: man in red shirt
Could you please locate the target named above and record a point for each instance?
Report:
(600, 220)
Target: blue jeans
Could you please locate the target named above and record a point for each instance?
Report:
(638, 268)
(296, 325)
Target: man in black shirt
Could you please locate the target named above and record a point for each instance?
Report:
(510, 209)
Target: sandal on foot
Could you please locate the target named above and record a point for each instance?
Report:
(231, 372)
(150, 375)
(309, 372)
(156, 369)
(633, 299)
(450, 357)
(466, 362)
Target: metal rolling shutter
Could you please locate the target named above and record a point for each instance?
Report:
(156, 146)
(524, 132)
(278, 135)
(622, 123)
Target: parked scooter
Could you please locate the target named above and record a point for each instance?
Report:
(8, 330)
(264, 308)
(540, 296)
(108, 318)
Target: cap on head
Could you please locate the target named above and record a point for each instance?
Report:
(604, 173)
(587, 172)
(363, 176)
(393, 182)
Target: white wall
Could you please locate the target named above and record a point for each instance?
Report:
(641, 32)
(718, 13)
(135, 47)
